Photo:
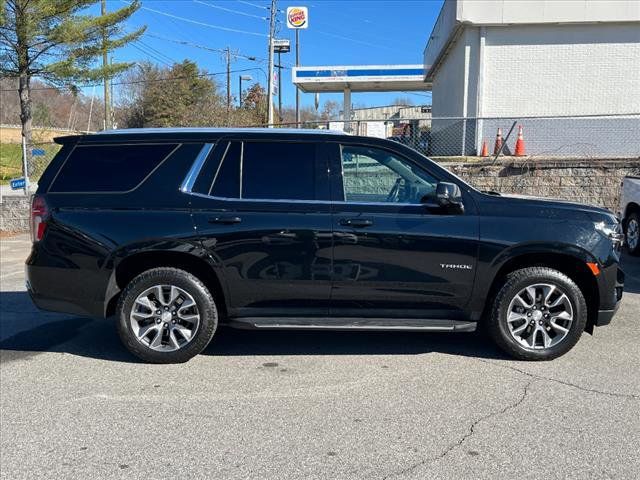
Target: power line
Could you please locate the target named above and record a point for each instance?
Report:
(195, 22)
(211, 49)
(428, 95)
(358, 17)
(355, 40)
(230, 10)
(253, 4)
(157, 53)
(393, 41)
(203, 47)
(148, 54)
(133, 82)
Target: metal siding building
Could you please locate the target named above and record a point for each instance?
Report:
(519, 58)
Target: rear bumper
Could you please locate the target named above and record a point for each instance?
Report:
(63, 306)
(56, 290)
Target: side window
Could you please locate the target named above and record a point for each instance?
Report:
(280, 170)
(108, 168)
(226, 181)
(373, 175)
(209, 168)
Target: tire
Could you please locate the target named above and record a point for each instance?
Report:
(186, 322)
(535, 341)
(632, 233)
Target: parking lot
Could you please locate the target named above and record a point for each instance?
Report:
(75, 404)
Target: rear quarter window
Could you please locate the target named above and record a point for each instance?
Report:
(109, 168)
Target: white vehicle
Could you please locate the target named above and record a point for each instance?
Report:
(630, 213)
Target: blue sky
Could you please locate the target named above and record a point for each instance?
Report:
(347, 32)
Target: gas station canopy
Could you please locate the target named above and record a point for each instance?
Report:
(364, 78)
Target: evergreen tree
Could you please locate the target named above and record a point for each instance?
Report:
(58, 41)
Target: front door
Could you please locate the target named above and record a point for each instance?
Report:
(261, 210)
(396, 254)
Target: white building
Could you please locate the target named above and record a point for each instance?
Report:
(392, 112)
(527, 58)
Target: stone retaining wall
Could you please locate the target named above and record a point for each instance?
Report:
(594, 182)
(14, 214)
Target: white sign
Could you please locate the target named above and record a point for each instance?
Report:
(376, 129)
(282, 44)
(336, 126)
(297, 17)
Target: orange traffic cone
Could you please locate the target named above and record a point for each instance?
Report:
(519, 143)
(498, 144)
(485, 149)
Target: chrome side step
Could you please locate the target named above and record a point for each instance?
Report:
(349, 323)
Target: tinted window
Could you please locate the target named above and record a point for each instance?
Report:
(226, 181)
(373, 175)
(209, 169)
(108, 168)
(279, 170)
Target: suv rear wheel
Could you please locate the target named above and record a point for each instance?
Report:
(166, 315)
(538, 314)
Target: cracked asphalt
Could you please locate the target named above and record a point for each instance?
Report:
(287, 405)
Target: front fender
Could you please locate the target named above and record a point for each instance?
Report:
(492, 261)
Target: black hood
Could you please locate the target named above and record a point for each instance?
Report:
(528, 205)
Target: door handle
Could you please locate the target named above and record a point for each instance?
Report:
(356, 222)
(225, 220)
(346, 238)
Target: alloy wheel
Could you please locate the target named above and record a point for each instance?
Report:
(540, 316)
(164, 318)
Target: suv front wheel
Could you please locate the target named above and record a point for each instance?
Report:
(166, 315)
(538, 314)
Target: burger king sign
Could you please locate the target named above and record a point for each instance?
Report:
(297, 17)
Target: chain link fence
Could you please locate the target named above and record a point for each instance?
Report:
(575, 137)
(470, 145)
(39, 155)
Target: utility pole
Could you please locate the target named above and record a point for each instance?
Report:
(228, 60)
(279, 87)
(280, 46)
(272, 27)
(105, 63)
(297, 89)
(246, 78)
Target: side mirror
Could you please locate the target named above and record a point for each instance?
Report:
(449, 195)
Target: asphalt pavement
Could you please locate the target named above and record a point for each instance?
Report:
(292, 405)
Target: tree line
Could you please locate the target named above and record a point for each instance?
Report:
(50, 47)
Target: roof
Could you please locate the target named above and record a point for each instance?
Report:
(360, 78)
(301, 131)
(191, 134)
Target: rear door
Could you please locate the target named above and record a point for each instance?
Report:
(396, 254)
(261, 209)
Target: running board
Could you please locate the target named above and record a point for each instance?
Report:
(349, 323)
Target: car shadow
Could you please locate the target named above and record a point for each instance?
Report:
(232, 342)
(97, 338)
(631, 268)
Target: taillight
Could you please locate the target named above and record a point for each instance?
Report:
(39, 217)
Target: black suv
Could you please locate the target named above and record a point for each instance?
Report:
(180, 231)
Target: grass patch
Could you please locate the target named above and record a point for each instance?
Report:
(11, 161)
